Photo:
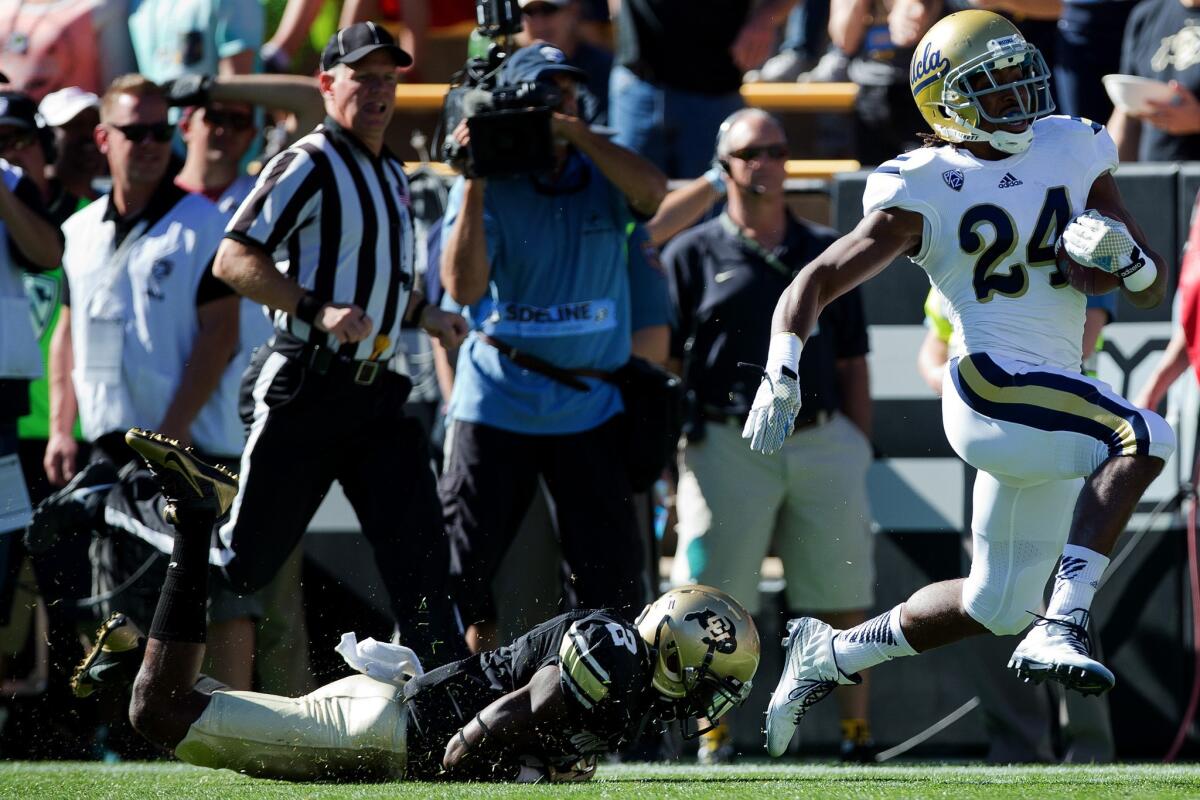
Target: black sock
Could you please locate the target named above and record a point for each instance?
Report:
(182, 612)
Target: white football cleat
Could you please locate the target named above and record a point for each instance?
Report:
(1058, 649)
(810, 674)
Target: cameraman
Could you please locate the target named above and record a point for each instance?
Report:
(542, 260)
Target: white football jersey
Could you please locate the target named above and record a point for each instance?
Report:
(990, 230)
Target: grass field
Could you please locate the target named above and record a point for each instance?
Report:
(750, 781)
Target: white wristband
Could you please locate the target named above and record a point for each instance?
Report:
(1142, 279)
(784, 352)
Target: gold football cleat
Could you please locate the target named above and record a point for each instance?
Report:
(187, 482)
(114, 658)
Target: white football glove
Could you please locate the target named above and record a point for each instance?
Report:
(1102, 243)
(773, 413)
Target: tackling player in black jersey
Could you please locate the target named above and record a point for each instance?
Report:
(540, 708)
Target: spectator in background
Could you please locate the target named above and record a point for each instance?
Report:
(153, 331)
(805, 38)
(679, 70)
(30, 243)
(139, 299)
(558, 22)
(72, 114)
(810, 499)
(195, 37)
(878, 36)
(52, 44)
(417, 17)
(1088, 47)
(527, 399)
(1161, 43)
(27, 144)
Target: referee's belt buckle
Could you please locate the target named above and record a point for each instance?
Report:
(366, 372)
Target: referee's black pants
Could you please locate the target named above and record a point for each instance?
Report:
(307, 430)
(488, 484)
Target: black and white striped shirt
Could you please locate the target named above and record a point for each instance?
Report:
(338, 221)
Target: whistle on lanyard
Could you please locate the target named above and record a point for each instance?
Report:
(381, 345)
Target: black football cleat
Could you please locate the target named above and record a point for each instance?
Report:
(114, 659)
(189, 485)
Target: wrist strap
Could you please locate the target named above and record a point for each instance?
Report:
(308, 308)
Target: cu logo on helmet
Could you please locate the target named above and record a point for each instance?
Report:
(720, 633)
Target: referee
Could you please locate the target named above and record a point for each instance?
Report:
(325, 239)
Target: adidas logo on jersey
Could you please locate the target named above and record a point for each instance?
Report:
(1008, 181)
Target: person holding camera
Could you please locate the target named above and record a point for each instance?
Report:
(542, 260)
(810, 500)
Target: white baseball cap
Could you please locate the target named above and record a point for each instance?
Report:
(59, 108)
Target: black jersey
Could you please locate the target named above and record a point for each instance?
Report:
(605, 671)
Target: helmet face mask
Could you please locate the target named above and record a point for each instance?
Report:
(705, 649)
(955, 75)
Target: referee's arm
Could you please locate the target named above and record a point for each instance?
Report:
(252, 274)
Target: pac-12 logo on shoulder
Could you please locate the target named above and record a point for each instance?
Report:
(721, 635)
(954, 179)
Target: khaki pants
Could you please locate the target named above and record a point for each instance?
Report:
(810, 499)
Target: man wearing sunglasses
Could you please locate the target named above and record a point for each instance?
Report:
(810, 499)
(146, 332)
(147, 329)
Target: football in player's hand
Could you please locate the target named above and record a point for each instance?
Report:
(1086, 279)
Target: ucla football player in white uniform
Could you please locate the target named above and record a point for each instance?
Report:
(1062, 460)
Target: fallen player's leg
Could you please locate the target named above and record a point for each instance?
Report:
(352, 728)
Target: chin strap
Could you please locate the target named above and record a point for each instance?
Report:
(1004, 141)
(1008, 142)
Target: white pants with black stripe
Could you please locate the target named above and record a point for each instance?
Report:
(1034, 433)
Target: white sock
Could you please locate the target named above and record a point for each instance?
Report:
(1079, 573)
(870, 643)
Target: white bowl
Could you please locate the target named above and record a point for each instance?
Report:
(1130, 93)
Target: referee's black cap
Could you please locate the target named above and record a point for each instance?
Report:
(357, 41)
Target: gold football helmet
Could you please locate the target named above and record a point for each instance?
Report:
(705, 650)
(944, 79)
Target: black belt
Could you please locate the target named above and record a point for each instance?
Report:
(567, 377)
(818, 418)
(326, 361)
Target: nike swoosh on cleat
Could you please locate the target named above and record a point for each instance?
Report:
(721, 277)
